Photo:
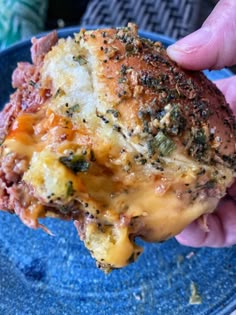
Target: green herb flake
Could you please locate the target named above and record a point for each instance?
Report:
(154, 83)
(114, 112)
(69, 189)
(72, 110)
(80, 59)
(64, 209)
(210, 184)
(199, 146)
(32, 83)
(122, 80)
(59, 92)
(200, 137)
(129, 47)
(162, 143)
(123, 70)
(178, 121)
(76, 163)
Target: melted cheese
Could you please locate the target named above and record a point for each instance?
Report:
(52, 179)
(121, 189)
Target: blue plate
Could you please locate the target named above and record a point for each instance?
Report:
(41, 274)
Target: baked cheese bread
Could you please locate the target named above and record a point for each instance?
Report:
(105, 130)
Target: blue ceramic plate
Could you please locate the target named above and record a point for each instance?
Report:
(40, 274)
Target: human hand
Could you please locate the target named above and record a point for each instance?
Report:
(213, 47)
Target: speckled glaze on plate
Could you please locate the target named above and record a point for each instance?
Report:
(41, 274)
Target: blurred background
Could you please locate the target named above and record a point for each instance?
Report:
(20, 19)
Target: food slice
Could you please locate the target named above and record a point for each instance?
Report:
(105, 130)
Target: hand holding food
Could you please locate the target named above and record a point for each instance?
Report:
(105, 130)
(210, 47)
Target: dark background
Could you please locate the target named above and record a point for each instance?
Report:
(64, 13)
(71, 11)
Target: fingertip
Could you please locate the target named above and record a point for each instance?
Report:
(227, 87)
(232, 190)
(213, 45)
(189, 49)
(190, 61)
(192, 236)
(177, 54)
(174, 52)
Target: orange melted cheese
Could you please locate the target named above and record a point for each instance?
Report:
(124, 197)
(117, 194)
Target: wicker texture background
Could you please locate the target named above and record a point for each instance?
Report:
(174, 18)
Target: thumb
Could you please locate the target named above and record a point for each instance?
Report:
(227, 87)
(221, 228)
(213, 45)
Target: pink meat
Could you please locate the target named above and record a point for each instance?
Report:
(29, 96)
(41, 46)
(13, 167)
(9, 113)
(24, 72)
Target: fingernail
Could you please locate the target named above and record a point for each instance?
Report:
(190, 43)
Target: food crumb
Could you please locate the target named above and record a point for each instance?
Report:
(195, 297)
(190, 255)
(137, 296)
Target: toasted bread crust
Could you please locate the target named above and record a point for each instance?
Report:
(138, 77)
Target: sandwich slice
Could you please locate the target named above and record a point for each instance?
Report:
(105, 130)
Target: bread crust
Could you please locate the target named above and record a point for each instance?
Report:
(138, 77)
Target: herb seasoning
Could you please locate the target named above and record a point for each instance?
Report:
(161, 143)
(80, 59)
(69, 189)
(76, 163)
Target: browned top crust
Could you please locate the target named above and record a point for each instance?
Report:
(141, 80)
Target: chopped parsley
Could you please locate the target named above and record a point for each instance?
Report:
(69, 189)
(199, 146)
(161, 143)
(32, 83)
(114, 112)
(64, 209)
(200, 137)
(178, 121)
(76, 163)
(73, 109)
(80, 59)
(59, 92)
